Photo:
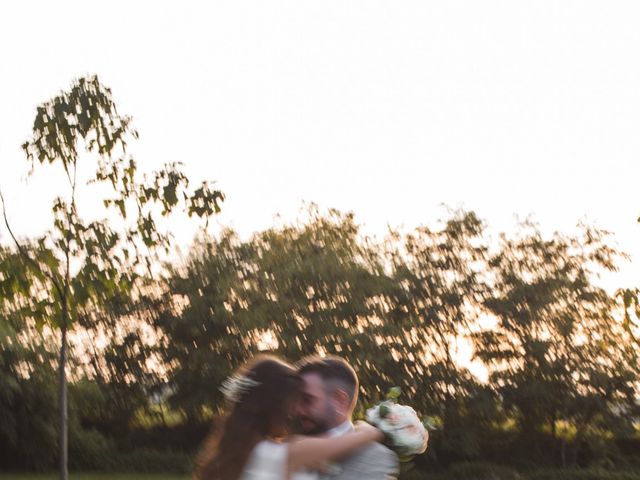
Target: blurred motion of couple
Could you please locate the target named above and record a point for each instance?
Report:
(257, 440)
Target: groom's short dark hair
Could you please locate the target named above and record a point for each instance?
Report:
(333, 370)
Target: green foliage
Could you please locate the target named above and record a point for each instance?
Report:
(90, 450)
(310, 288)
(394, 393)
(105, 259)
(96, 476)
(27, 429)
(557, 354)
(583, 474)
(466, 471)
(482, 471)
(435, 291)
(79, 266)
(27, 382)
(487, 471)
(141, 460)
(630, 298)
(396, 310)
(563, 366)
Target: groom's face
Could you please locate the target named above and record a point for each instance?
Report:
(314, 412)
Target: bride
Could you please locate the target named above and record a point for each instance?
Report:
(254, 441)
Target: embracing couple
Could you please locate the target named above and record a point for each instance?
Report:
(256, 439)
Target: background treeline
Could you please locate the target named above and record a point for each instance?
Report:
(561, 359)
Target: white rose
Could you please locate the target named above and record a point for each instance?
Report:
(402, 425)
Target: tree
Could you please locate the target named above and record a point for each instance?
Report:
(557, 356)
(296, 290)
(27, 376)
(630, 299)
(82, 264)
(321, 281)
(436, 289)
(206, 323)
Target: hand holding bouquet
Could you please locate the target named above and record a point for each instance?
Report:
(406, 434)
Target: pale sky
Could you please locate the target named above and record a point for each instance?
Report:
(387, 109)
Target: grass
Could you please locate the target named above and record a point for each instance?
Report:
(93, 476)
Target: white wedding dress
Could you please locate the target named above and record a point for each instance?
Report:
(268, 461)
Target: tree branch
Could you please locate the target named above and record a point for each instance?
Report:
(22, 250)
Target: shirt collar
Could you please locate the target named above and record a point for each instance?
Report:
(340, 429)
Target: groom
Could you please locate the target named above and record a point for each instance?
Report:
(329, 396)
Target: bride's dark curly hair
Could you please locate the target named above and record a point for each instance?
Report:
(260, 412)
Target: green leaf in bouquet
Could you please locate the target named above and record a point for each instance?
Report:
(429, 423)
(394, 393)
(406, 461)
(384, 409)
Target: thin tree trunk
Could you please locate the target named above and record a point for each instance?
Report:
(64, 423)
(563, 446)
(62, 393)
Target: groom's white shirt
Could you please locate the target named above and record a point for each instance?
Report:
(332, 468)
(371, 462)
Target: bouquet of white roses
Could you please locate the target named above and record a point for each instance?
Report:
(406, 434)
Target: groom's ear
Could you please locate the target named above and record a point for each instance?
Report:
(342, 399)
